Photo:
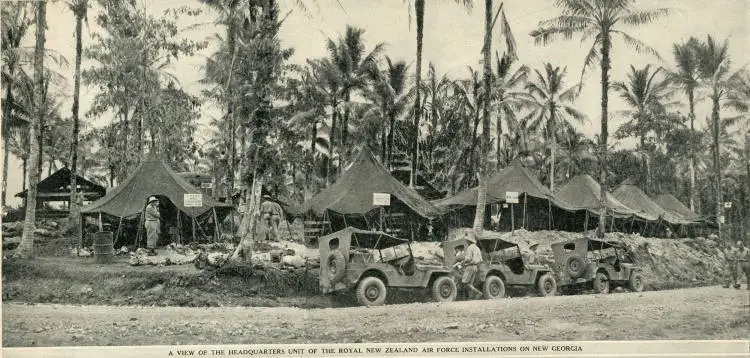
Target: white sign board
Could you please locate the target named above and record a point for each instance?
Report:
(381, 199)
(727, 204)
(192, 200)
(721, 219)
(511, 197)
(207, 185)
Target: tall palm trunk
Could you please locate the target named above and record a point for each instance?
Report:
(717, 157)
(391, 137)
(26, 247)
(344, 129)
(693, 194)
(74, 207)
(419, 8)
(331, 141)
(554, 147)
(485, 142)
(606, 46)
(5, 131)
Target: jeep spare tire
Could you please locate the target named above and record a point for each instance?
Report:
(575, 266)
(444, 289)
(336, 266)
(635, 283)
(371, 292)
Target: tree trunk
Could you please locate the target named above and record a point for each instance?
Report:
(344, 130)
(24, 168)
(693, 200)
(331, 141)
(485, 142)
(383, 146)
(391, 136)
(747, 178)
(605, 64)
(6, 133)
(554, 147)
(74, 202)
(232, 154)
(419, 8)
(715, 118)
(26, 247)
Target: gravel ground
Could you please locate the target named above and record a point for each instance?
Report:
(695, 313)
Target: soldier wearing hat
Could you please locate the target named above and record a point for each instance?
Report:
(470, 265)
(736, 256)
(271, 214)
(153, 224)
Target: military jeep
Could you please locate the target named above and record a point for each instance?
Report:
(597, 264)
(371, 262)
(503, 266)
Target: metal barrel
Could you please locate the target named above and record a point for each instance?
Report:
(104, 250)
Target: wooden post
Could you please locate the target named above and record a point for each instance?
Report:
(192, 220)
(586, 221)
(512, 218)
(549, 214)
(179, 227)
(525, 200)
(101, 225)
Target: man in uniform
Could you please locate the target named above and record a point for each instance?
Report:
(153, 225)
(736, 256)
(470, 265)
(743, 265)
(271, 214)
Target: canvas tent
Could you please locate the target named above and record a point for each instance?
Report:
(632, 196)
(349, 201)
(123, 206)
(670, 203)
(537, 207)
(583, 192)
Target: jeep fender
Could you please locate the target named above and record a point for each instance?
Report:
(430, 276)
(483, 275)
(373, 273)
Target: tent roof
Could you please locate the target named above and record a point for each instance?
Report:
(151, 177)
(514, 177)
(59, 182)
(670, 203)
(352, 193)
(632, 196)
(583, 192)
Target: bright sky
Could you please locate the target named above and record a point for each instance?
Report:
(452, 41)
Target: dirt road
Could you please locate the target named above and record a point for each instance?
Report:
(697, 313)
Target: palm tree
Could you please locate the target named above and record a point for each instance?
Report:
(15, 23)
(388, 94)
(576, 153)
(79, 9)
(419, 9)
(645, 93)
(349, 57)
(739, 99)
(26, 247)
(713, 64)
(551, 108)
(505, 97)
(686, 76)
(599, 20)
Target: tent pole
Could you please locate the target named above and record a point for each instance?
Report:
(192, 220)
(549, 214)
(586, 221)
(179, 238)
(525, 200)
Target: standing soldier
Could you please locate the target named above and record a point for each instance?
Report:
(153, 225)
(470, 266)
(732, 256)
(271, 214)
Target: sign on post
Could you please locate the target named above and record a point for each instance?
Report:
(381, 199)
(192, 200)
(727, 205)
(721, 219)
(511, 197)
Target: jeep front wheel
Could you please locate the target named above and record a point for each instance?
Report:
(493, 288)
(601, 283)
(547, 285)
(635, 283)
(444, 289)
(371, 292)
